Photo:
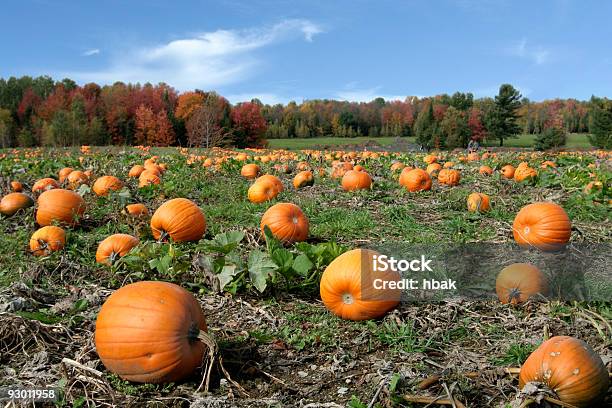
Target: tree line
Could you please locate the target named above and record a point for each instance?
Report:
(43, 112)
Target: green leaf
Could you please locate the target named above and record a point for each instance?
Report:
(80, 305)
(226, 275)
(224, 243)
(283, 258)
(394, 381)
(302, 264)
(260, 268)
(271, 242)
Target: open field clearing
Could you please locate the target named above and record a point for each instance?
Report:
(278, 343)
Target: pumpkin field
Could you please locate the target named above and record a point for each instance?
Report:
(167, 277)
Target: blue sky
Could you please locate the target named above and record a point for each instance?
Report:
(283, 50)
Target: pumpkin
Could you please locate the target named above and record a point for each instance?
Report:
(542, 225)
(147, 178)
(416, 180)
(449, 177)
(106, 184)
(524, 173)
(478, 202)
(136, 171)
(180, 219)
(274, 180)
(250, 171)
(359, 167)
(16, 186)
(548, 163)
(473, 156)
(507, 171)
(485, 170)
(76, 178)
(262, 191)
(136, 210)
(44, 184)
(63, 173)
(114, 247)
(448, 165)
(303, 179)
(59, 205)
(570, 368)
(430, 158)
(287, 223)
(348, 286)
(303, 166)
(356, 180)
(397, 166)
(433, 169)
(149, 332)
(13, 202)
(46, 240)
(518, 282)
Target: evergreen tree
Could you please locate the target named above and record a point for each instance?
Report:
(501, 121)
(454, 129)
(600, 123)
(424, 127)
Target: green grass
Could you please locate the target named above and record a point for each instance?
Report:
(297, 144)
(574, 140)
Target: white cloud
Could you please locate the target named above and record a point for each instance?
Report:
(89, 53)
(539, 55)
(205, 60)
(353, 94)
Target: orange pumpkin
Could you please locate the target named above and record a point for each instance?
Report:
(13, 202)
(76, 178)
(519, 282)
(114, 247)
(136, 210)
(180, 219)
(16, 186)
(250, 171)
(59, 205)
(485, 170)
(349, 286)
(397, 166)
(524, 173)
(46, 240)
(473, 156)
(262, 191)
(433, 169)
(136, 171)
(448, 165)
(542, 225)
(416, 180)
(356, 180)
(507, 171)
(287, 223)
(63, 173)
(430, 158)
(303, 179)
(147, 178)
(478, 202)
(570, 368)
(106, 184)
(150, 332)
(274, 180)
(359, 167)
(44, 184)
(449, 177)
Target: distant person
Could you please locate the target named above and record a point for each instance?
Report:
(473, 146)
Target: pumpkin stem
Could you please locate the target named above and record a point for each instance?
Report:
(514, 294)
(347, 299)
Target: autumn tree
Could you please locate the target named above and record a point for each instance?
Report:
(188, 103)
(204, 127)
(475, 123)
(249, 125)
(145, 126)
(454, 129)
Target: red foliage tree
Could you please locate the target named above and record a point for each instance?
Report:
(250, 125)
(29, 103)
(475, 124)
(188, 103)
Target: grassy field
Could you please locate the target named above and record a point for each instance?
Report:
(574, 141)
(282, 345)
